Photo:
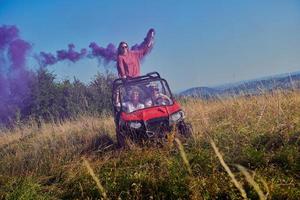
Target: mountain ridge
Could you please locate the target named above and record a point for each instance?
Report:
(248, 87)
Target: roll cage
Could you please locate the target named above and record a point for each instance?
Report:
(150, 77)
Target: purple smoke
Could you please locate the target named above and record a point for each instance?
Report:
(46, 59)
(14, 77)
(70, 54)
(7, 34)
(17, 51)
(108, 53)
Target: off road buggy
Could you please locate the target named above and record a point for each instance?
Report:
(144, 109)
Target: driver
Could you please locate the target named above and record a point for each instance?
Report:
(134, 102)
(157, 98)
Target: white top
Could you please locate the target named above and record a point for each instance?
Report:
(130, 107)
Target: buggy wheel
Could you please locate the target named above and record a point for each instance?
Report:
(121, 139)
(185, 129)
(126, 139)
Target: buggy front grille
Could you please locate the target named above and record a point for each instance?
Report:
(158, 125)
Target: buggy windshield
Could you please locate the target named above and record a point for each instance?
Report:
(143, 94)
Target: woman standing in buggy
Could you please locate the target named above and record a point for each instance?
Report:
(128, 61)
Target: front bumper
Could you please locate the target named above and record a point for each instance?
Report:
(154, 128)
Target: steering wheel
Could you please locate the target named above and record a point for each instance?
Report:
(163, 100)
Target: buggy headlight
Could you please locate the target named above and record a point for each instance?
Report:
(176, 116)
(135, 125)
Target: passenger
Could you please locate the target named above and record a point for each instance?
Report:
(128, 61)
(133, 104)
(157, 98)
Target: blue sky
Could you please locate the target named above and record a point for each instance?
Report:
(198, 43)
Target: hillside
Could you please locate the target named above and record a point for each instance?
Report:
(76, 159)
(251, 87)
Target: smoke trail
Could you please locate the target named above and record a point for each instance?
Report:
(14, 77)
(45, 59)
(107, 54)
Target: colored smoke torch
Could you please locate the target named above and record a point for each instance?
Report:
(148, 41)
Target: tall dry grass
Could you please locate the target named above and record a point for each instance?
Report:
(260, 133)
(29, 149)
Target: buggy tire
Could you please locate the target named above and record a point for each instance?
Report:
(185, 129)
(121, 139)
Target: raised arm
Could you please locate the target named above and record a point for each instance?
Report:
(146, 45)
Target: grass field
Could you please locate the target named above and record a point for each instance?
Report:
(241, 148)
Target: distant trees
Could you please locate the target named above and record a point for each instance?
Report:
(48, 100)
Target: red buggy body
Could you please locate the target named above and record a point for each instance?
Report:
(158, 112)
